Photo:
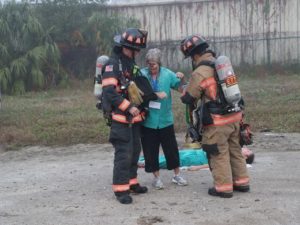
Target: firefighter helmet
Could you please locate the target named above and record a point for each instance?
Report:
(132, 38)
(192, 42)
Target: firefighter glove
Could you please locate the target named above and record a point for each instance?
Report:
(187, 98)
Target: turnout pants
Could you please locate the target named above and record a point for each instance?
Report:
(227, 163)
(125, 139)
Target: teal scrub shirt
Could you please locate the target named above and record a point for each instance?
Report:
(163, 117)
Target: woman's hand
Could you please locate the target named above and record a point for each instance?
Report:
(183, 84)
(161, 95)
(179, 75)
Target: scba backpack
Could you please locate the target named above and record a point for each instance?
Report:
(230, 98)
(101, 104)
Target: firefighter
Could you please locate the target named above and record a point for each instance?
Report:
(118, 73)
(221, 126)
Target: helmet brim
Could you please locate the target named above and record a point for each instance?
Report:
(118, 42)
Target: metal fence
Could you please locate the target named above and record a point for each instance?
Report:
(248, 31)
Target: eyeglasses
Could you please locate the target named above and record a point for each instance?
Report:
(152, 64)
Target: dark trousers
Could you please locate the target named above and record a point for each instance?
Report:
(126, 141)
(151, 140)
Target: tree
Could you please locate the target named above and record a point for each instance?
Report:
(29, 56)
(69, 19)
(102, 28)
(82, 31)
(33, 58)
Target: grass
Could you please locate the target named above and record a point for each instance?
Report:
(58, 117)
(272, 102)
(69, 116)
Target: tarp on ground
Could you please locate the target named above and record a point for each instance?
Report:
(188, 157)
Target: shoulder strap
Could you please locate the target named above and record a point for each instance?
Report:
(206, 63)
(120, 66)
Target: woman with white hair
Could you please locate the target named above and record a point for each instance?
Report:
(158, 128)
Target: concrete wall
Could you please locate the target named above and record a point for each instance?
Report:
(249, 31)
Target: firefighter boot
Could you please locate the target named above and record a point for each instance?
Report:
(123, 197)
(212, 191)
(244, 188)
(138, 189)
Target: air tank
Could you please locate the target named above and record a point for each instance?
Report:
(101, 61)
(228, 81)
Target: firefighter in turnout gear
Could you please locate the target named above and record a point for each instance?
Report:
(126, 116)
(220, 120)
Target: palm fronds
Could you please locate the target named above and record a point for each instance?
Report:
(27, 52)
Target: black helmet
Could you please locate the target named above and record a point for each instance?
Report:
(190, 43)
(132, 38)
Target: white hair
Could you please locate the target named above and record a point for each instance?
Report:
(153, 54)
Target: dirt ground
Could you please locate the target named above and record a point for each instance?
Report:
(72, 186)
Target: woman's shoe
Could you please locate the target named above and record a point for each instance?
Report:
(157, 183)
(177, 179)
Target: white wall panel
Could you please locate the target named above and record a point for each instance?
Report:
(249, 31)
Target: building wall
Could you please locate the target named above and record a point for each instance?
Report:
(249, 31)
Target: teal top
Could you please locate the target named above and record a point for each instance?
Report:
(162, 117)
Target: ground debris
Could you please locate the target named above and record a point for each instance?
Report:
(149, 220)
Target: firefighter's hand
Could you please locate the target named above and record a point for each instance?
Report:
(134, 111)
(187, 98)
(161, 95)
